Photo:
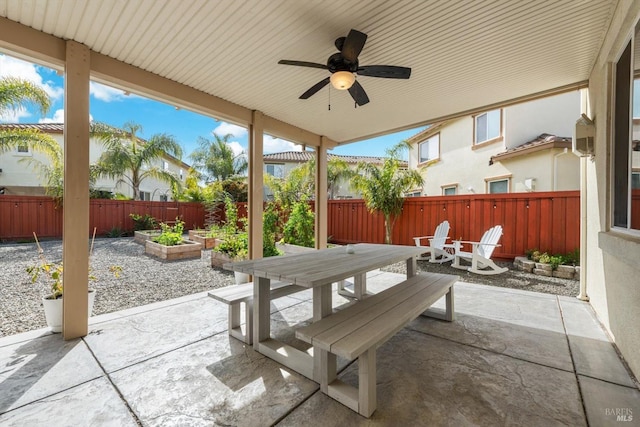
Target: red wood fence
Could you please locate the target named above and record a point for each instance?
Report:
(548, 221)
(20, 216)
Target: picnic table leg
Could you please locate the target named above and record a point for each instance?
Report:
(261, 310)
(360, 286)
(323, 362)
(412, 267)
(367, 383)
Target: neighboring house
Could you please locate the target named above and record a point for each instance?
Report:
(18, 178)
(524, 147)
(281, 164)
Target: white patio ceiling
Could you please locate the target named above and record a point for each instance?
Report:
(465, 55)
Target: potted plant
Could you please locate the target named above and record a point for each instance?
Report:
(52, 274)
(235, 247)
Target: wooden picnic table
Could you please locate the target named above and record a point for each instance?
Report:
(316, 270)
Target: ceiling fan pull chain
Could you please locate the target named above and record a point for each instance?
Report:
(329, 98)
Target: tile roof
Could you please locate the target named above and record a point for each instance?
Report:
(305, 156)
(544, 141)
(44, 127)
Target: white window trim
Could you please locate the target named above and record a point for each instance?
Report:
(448, 186)
(489, 181)
(489, 140)
(432, 138)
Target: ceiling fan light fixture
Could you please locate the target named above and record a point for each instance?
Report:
(342, 80)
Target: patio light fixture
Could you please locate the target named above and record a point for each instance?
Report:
(342, 80)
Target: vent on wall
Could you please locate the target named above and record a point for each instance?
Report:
(584, 136)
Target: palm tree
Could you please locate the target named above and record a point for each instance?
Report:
(130, 160)
(17, 93)
(383, 187)
(216, 160)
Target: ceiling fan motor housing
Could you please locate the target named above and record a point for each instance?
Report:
(337, 62)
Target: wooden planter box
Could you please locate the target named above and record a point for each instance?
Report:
(143, 235)
(186, 250)
(206, 242)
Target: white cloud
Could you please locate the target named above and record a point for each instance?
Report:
(13, 67)
(277, 145)
(58, 117)
(13, 116)
(105, 93)
(228, 128)
(236, 147)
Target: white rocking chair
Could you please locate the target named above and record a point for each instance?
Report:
(438, 250)
(480, 255)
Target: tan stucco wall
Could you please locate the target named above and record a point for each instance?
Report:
(612, 258)
(551, 170)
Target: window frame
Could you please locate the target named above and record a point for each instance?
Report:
(273, 165)
(425, 141)
(624, 77)
(488, 141)
(489, 181)
(446, 187)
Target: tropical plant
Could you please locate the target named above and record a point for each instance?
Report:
(130, 160)
(383, 187)
(215, 159)
(170, 235)
(235, 246)
(143, 222)
(18, 93)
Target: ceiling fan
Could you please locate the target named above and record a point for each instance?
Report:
(343, 67)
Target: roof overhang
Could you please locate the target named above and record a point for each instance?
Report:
(220, 58)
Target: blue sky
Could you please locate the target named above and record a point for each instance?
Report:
(114, 107)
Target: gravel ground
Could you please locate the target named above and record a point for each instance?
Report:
(146, 279)
(513, 278)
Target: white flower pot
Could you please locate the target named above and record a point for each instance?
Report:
(241, 277)
(53, 311)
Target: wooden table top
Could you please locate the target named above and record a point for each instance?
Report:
(317, 268)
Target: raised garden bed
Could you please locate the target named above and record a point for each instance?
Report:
(185, 250)
(143, 235)
(543, 269)
(199, 236)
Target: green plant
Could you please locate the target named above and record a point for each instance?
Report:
(143, 222)
(115, 232)
(235, 246)
(573, 257)
(555, 261)
(529, 253)
(170, 236)
(299, 229)
(544, 258)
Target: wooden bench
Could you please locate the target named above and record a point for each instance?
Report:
(356, 332)
(235, 295)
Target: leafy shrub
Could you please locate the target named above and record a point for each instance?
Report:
(299, 229)
(544, 258)
(235, 246)
(170, 236)
(573, 257)
(143, 222)
(529, 253)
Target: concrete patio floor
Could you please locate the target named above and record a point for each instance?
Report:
(510, 358)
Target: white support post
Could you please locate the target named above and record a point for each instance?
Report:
(256, 193)
(321, 195)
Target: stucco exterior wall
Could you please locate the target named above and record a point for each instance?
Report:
(555, 115)
(19, 174)
(610, 258)
(469, 168)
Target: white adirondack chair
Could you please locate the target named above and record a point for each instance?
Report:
(480, 255)
(438, 250)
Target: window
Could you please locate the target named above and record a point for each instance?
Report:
(413, 194)
(23, 148)
(487, 126)
(164, 198)
(429, 149)
(276, 170)
(498, 186)
(451, 190)
(145, 195)
(181, 175)
(625, 180)
(165, 165)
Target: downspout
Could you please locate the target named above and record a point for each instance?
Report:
(554, 178)
(583, 230)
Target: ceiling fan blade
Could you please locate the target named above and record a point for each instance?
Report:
(358, 94)
(303, 64)
(315, 88)
(385, 71)
(353, 45)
